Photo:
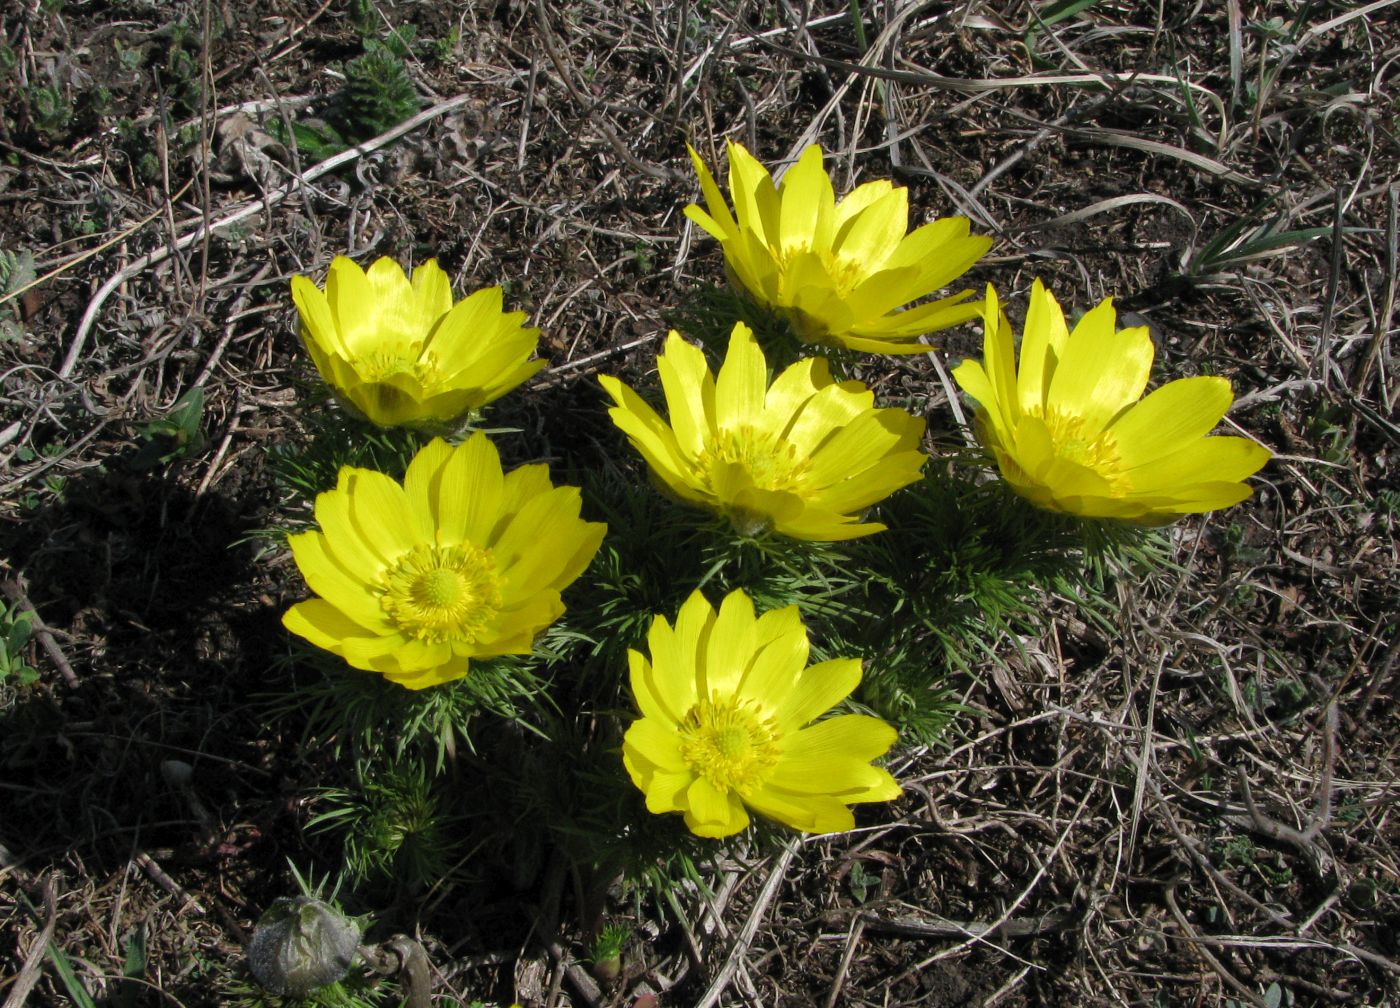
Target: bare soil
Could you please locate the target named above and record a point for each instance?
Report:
(1188, 807)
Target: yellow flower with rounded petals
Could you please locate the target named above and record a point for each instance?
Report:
(1071, 431)
(460, 561)
(800, 457)
(728, 704)
(400, 353)
(839, 271)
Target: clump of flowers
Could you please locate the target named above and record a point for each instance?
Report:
(462, 561)
(839, 271)
(401, 353)
(1071, 431)
(800, 457)
(728, 704)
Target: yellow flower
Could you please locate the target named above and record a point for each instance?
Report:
(797, 457)
(1071, 431)
(727, 702)
(401, 353)
(461, 561)
(838, 271)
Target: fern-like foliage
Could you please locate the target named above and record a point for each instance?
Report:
(377, 96)
(16, 273)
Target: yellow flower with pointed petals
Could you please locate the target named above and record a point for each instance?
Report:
(800, 457)
(728, 704)
(400, 353)
(1071, 431)
(461, 561)
(839, 271)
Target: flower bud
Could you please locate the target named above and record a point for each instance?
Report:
(301, 944)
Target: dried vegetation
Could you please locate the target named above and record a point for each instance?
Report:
(1187, 803)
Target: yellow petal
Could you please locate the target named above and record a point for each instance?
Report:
(714, 199)
(830, 409)
(653, 439)
(318, 322)
(388, 651)
(707, 223)
(433, 290)
(808, 813)
(817, 525)
(861, 444)
(806, 282)
(808, 203)
(849, 737)
(781, 655)
(513, 378)
(344, 536)
(728, 648)
(823, 313)
(546, 545)
(689, 389)
(925, 318)
(672, 670)
(788, 395)
(1207, 460)
(388, 283)
(747, 500)
(951, 260)
(742, 381)
(420, 679)
(348, 591)
(348, 294)
(1042, 339)
(872, 485)
(321, 623)
(666, 790)
(518, 626)
(469, 493)
(755, 197)
(657, 742)
(469, 330)
(1102, 370)
(375, 305)
(587, 540)
(1204, 497)
(861, 197)
(379, 511)
(665, 696)
(874, 234)
(1170, 418)
(539, 539)
(713, 813)
(753, 265)
(973, 379)
(422, 486)
(818, 689)
(999, 360)
(522, 484)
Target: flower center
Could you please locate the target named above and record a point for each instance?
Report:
(729, 743)
(1096, 450)
(400, 357)
(846, 272)
(771, 464)
(442, 593)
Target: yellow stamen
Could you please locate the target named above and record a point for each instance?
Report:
(772, 464)
(846, 272)
(438, 594)
(729, 743)
(1096, 450)
(385, 360)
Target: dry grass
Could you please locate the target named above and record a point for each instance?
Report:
(1190, 807)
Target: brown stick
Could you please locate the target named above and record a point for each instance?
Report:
(13, 589)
